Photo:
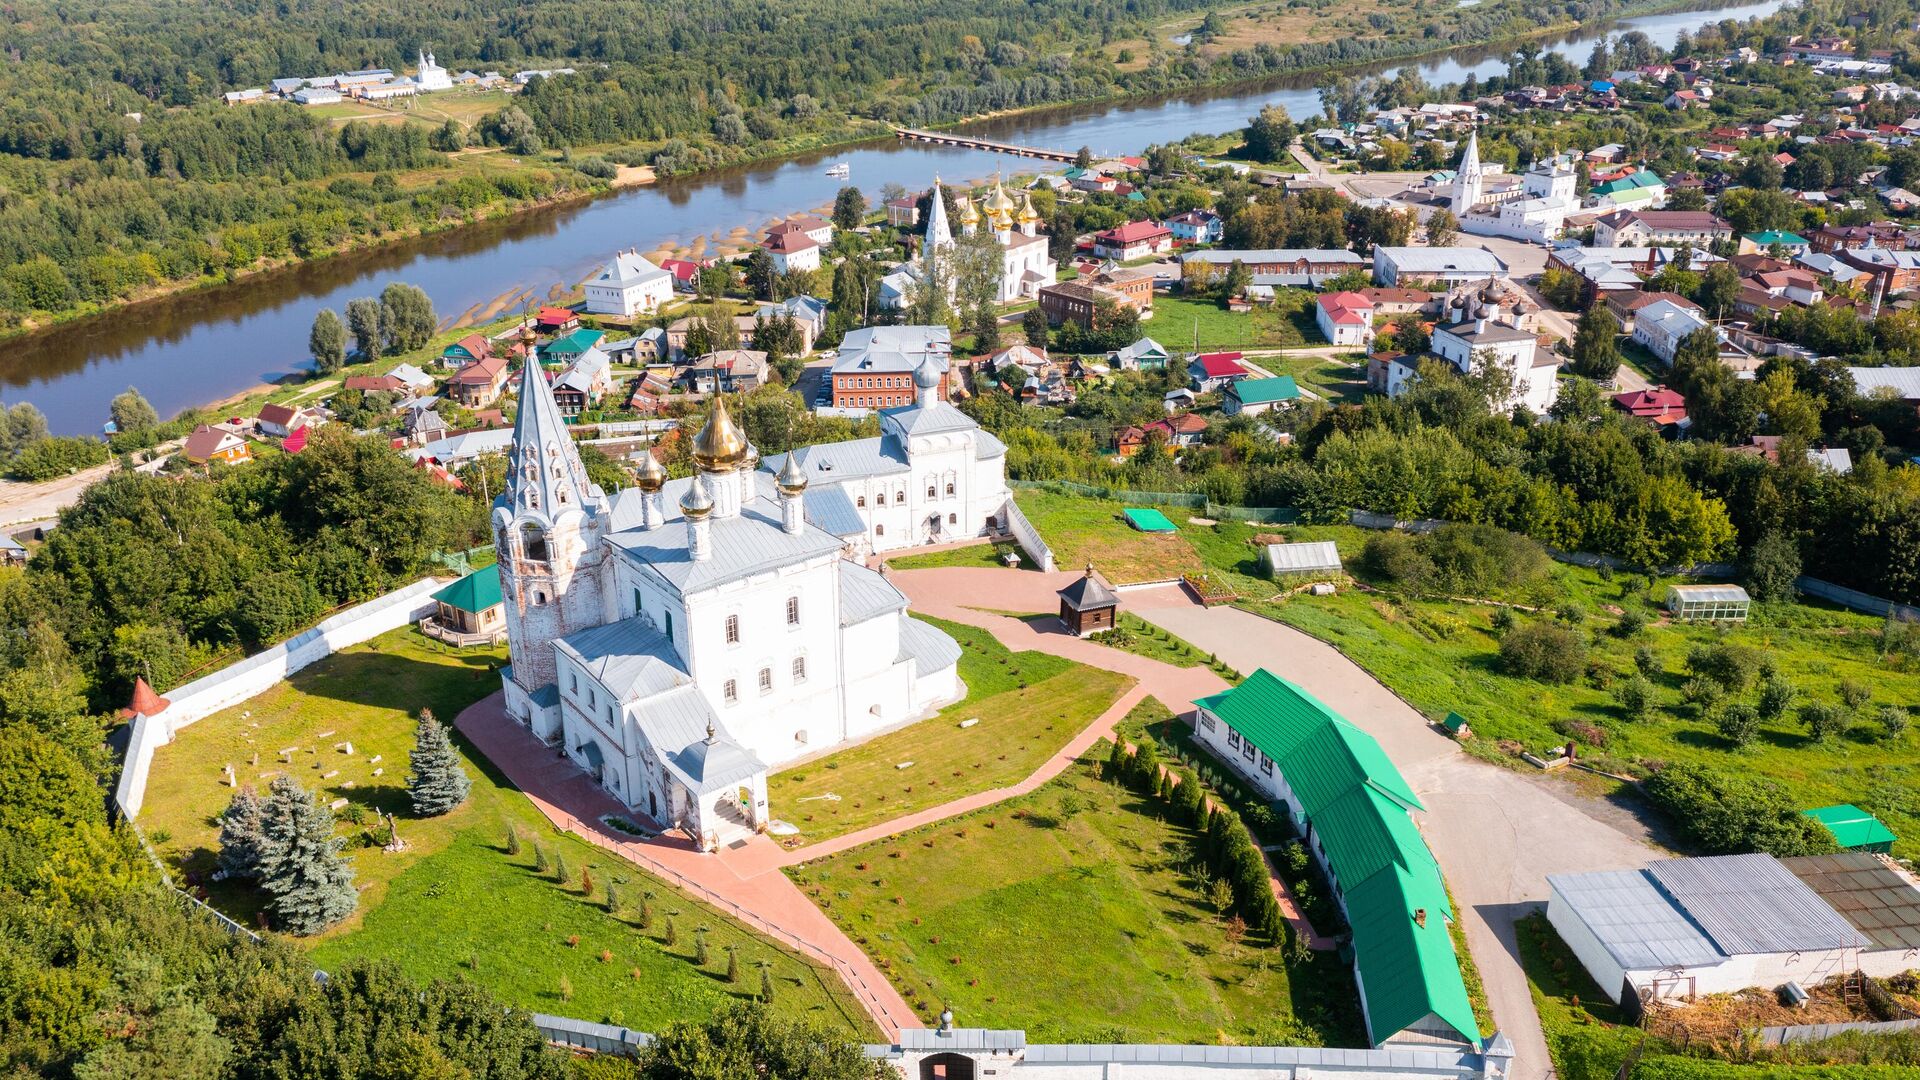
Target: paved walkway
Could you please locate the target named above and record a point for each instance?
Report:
(1496, 832)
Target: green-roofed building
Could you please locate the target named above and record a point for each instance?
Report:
(1763, 242)
(1354, 809)
(1854, 829)
(1255, 396)
(562, 351)
(470, 611)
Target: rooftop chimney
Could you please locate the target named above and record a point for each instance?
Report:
(1420, 917)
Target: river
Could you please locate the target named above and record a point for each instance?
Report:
(207, 344)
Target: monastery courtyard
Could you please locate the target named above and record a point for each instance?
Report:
(1494, 831)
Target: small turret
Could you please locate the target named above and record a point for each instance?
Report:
(697, 508)
(792, 483)
(650, 478)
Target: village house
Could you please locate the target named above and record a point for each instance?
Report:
(585, 381)
(792, 250)
(1662, 325)
(876, 365)
(1256, 396)
(1213, 371)
(1306, 267)
(1134, 240)
(728, 371)
(1143, 355)
(565, 350)
(209, 443)
(743, 325)
(466, 351)
(1626, 306)
(1648, 228)
(555, 320)
(903, 213)
(809, 313)
(1657, 405)
(280, 420)
(479, 384)
(1345, 318)
(1182, 430)
(1197, 227)
(1077, 301)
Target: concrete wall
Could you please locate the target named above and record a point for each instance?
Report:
(254, 675)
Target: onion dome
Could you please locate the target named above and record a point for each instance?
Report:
(649, 477)
(792, 479)
(1028, 215)
(926, 376)
(696, 503)
(721, 445)
(969, 214)
(998, 201)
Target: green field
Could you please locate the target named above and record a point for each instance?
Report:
(1082, 531)
(1183, 324)
(1028, 704)
(1442, 656)
(971, 555)
(455, 903)
(1341, 380)
(1070, 913)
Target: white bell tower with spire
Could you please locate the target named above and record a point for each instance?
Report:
(548, 527)
(1467, 180)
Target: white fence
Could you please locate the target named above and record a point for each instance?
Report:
(1855, 599)
(1028, 538)
(254, 675)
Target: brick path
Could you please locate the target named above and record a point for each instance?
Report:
(745, 879)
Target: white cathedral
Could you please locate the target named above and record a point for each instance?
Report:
(1535, 211)
(1025, 266)
(676, 638)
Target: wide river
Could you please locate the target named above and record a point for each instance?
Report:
(205, 345)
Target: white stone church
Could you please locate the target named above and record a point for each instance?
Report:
(676, 638)
(1025, 265)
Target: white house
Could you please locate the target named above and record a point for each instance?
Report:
(1345, 318)
(1662, 325)
(675, 638)
(1483, 334)
(629, 285)
(793, 250)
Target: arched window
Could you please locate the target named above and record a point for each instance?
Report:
(533, 542)
(930, 491)
(899, 497)
(949, 487)
(539, 598)
(879, 530)
(953, 519)
(860, 500)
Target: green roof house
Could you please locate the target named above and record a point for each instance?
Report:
(1255, 396)
(1640, 190)
(1853, 828)
(1355, 810)
(1763, 242)
(565, 350)
(469, 611)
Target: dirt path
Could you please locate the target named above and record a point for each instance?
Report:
(21, 503)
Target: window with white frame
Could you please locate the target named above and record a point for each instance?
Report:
(730, 691)
(1248, 750)
(793, 611)
(1233, 738)
(573, 684)
(1266, 763)
(733, 629)
(766, 680)
(799, 669)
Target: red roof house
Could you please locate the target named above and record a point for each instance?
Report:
(1211, 371)
(1135, 239)
(555, 320)
(1657, 404)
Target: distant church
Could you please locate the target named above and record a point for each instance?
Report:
(432, 76)
(1535, 210)
(676, 638)
(1025, 265)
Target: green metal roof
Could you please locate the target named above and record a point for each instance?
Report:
(1407, 971)
(1776, 236)
(575, 343)
(1266, 391)
(1364, 833)
(1148, 520)
(1851, 826)
(1454, 722)
(474, 593)
(1340, 756)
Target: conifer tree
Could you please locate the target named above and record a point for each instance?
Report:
(436, 781)
(242, 834)
(301, 868)
(613, 899)
(766, 983)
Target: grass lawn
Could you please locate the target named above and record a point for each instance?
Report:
(1442, 656)
(1028, 705)
(1587, 1035)
(1340, 380)
(970, 555)
(1177, 320)
(1069, 913)
(419, 908)
(1082, 531)
(1134, 634)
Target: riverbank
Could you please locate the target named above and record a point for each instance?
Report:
(853, 134)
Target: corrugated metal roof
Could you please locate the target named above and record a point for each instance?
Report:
(927, 419)
(630, 658)
(1638, 925)
(675, 719)
(1711, 594)
(865, 594)
(926, 645)
(1901, 382)
(1364, 833)
(1407, 971)
(713, 762)
(855, 459)
(1337, 757)
(751, 542)
(1421, 260)
(930, 1039)
(1751, 904)
(1876, 899)
(1318, 555)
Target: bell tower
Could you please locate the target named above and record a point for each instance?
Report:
(548, 525)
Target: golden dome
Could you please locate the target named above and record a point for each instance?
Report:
(999, 202)
(695, 503)
(969, 214)
(792, 479)
(1027, 212)
(649, 477)
(721, 445)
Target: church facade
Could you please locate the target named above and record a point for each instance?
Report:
(676, 638)
(1025, 265)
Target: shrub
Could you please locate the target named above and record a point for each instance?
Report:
(1738, 723)
(1630, 623)
(1732, 666)
(1646, 661)
(1394, 556)
(1726, 813)
(1483, 558)
(1571, 613)
(1893, 723)
(1543, 651)
(1702, 694)
(1776, 695)
(1502, 620)
(1635, 696)
(1823, 720)
(1854, 694)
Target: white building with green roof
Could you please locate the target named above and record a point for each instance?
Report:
(1354, 811)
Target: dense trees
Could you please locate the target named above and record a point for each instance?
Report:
(1728, 813)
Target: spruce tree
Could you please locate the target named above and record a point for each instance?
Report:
(613, 899)
(242, 834)
(301, 868)
(436, 781)
(766, 983)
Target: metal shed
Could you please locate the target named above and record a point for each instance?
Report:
(1709, 603)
